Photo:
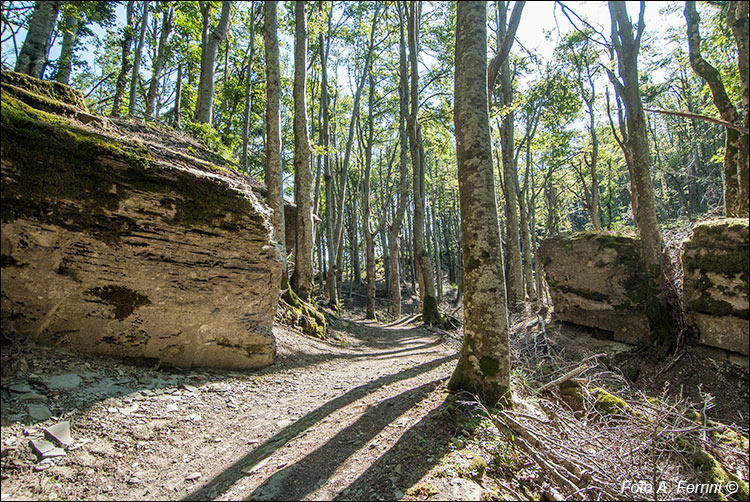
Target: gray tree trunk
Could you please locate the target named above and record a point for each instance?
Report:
(134, 79)
(178, 97)
(484, 364)
(302, 279)
(510, 179)
(122, 77)
(205, 100)
(403, 183)
(35, 50)
(369, 240)
(65, 61)
(273, 125)
(248, 93)
(636, 151)
(166, 29)
(430, 313)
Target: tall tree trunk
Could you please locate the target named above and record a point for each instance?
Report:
(166, 29)
(736, 156)
(134, 79)
(248, 91)
(636, 151)
(65, 61)
(33, 56)
(484, 363)
(178, 97)
(369, 241)
(403, 183)
(205, 101)
(273, 128)
(302, 279)
(122, 77)
(339, 227)
(510, 178)
(430, 313)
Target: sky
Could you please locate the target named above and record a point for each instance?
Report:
(538, 19)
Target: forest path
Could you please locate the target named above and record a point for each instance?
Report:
(332, 432)
(352, 417)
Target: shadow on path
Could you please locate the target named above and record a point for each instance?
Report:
(233, 473)
(294, 482)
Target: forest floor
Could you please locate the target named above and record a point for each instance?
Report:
(364, 415)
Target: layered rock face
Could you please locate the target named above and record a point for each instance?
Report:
(715, 285)
(597, 280)
(118, 239)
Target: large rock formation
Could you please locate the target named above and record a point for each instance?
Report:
(597, 280)
(118, 238)
(715, 285)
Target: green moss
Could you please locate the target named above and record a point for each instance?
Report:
(475, 469)
(308, 318)
(52, 90)
(489, 366)
(423, 490)
(609, 404)
(718, 262)
(55, 164)
(123, 299)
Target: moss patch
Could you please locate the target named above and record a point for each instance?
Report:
(609, 404)
(52, 90)
(123, 299)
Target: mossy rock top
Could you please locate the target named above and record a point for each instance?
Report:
(721, 232)
(51, 90)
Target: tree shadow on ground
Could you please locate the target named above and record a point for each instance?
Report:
(293, 482)
(229, 476)
(416, 452)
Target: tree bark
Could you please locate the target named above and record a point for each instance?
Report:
(205, 101)
(122, 77)
(484, 363)
(248, 91)
(65, 61)
(178, 97)
(430, 313)
(33, 56)
(153, 87)
(137, 60)
(302, 279)
(273, 126)
(636, 151)
(736, 155)
(510, 178)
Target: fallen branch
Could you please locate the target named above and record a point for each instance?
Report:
(567, 376)
(688, 115)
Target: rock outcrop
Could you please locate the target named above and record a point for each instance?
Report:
(120, 238)
(597, 280)
(715, 285)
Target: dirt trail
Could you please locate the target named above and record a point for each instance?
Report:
(326, 421)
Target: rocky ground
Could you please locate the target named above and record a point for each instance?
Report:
(362, 416)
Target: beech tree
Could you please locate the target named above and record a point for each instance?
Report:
(303, 270)
(737, 145)
(33, 56)
(635, 147)
(122, 77)
(484, 364)
(210, 40)
(166, 29)
(136, 77)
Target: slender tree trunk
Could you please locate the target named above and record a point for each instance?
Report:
(369, 241)
(273, 128)
(65, 61)
(430, 313)
(205, 102)
(510, 179)
(137, 59)
(736, 156)
(122, 77)
(636, 151)
(248, 91)
(33, 56)
(302, 279)
(166, 29)
(484, 363)
(403, 183)
(178, 97)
